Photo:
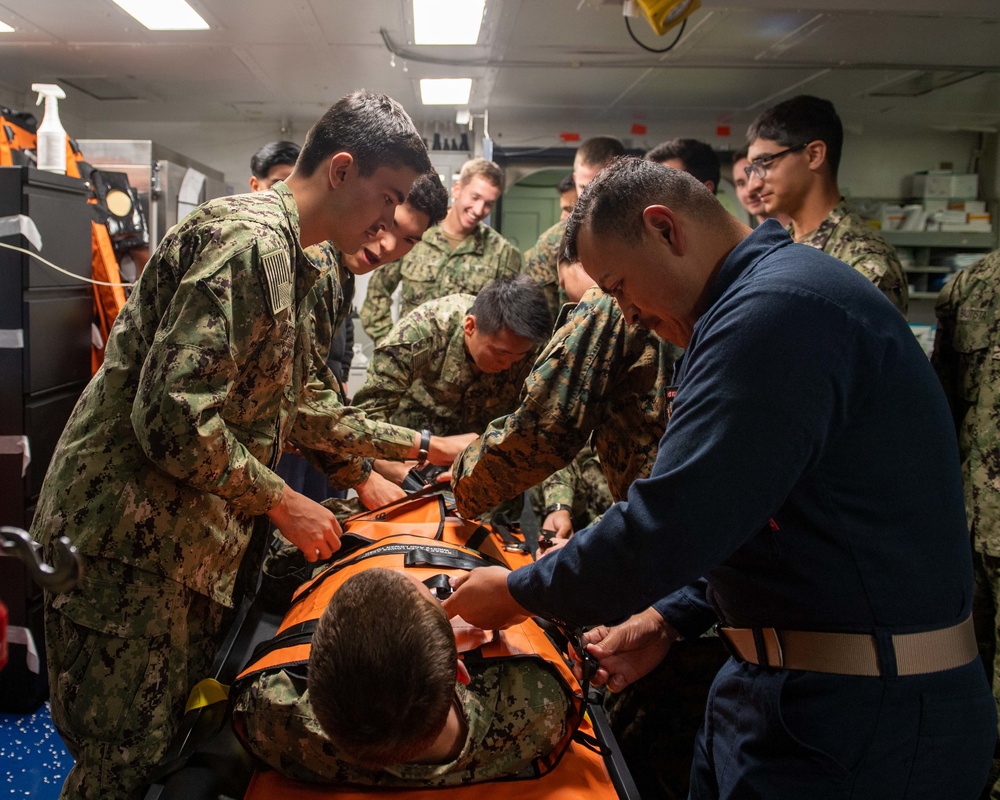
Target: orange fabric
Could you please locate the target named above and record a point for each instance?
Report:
(22, 140)
(580, 773)
(108, 300)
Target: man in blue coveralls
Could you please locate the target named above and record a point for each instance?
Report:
(809, 471)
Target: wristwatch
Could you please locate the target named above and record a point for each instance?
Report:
(557, 507)
(425, 446)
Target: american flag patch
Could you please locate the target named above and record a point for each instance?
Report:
(278, 277)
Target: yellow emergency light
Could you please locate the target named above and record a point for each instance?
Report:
(662, 15)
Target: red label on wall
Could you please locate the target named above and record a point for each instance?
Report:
(569, 137)
(722, 130)
(638, 130)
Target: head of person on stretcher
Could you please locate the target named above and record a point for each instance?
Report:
(381, 681)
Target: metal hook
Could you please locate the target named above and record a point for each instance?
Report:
(59, 578)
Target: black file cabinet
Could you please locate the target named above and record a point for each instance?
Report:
(45, 320)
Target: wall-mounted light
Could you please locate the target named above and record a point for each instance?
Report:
(445, 91)
(5, 28)
(164, 15)
(447, 21)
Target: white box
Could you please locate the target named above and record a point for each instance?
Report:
(965, 186)
(971, 207)
(931, 185)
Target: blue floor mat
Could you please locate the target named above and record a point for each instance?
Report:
(33, 759)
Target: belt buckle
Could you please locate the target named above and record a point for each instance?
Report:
(720, 630)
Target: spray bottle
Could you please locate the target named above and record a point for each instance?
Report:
(51, 134)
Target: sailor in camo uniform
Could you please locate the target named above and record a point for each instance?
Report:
(162, 468)
(516, 711)
(423, 376)
(601, 380)
(458, 256)
(967, 359)
(597, 379)
(541, 264)
(845, 235)
(579, 489)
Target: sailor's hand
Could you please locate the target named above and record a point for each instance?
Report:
(628, 651)
(306, 524)
(481, 597)
(560, 522)
(394, 471)
(377, 491)
(443, 450)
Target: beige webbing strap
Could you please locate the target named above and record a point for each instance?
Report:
(855, 653)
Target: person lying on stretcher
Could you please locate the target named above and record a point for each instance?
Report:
(387, 701)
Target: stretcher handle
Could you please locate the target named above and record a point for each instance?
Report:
(59, 578)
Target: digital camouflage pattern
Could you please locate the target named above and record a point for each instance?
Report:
(164, 467)
(421, 375)
(120, 668)
(597, 379)
(967, 359)
(516, 712)
(541, 263)
(334, 295)
(167, 456)
(581, 485)
(845, 235)
(432, 270)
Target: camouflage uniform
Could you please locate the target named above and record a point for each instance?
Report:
(597, 379)
(967, 359)
(580, 485)
(516, 711)
(421, 375)
(432, 269)
(845, 235)
(162, 467)
(602, 377)
(541, 263)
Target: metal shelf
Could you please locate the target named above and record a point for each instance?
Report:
(938, 239)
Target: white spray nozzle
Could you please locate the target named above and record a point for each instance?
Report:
(48, 90)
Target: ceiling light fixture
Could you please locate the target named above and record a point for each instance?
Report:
(447, 21)
(5, 28)
(164, 15)
(445, 91)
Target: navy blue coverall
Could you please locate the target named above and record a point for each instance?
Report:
(810, 472)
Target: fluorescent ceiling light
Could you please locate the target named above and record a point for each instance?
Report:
(164, 15)
(447, 21)
(5, 28)
(445, 91)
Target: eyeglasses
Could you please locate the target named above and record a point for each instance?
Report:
(759, 166)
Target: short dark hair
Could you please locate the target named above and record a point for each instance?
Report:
(614, 201)
(373, 128)
(429, 195)
(699, 158)
(382, 669)
(801, 120)
(514, 302)
(599, 151)
(740, 154)
(271, 155)
(566, 185)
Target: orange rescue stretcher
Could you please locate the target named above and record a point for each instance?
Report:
(591, 768)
